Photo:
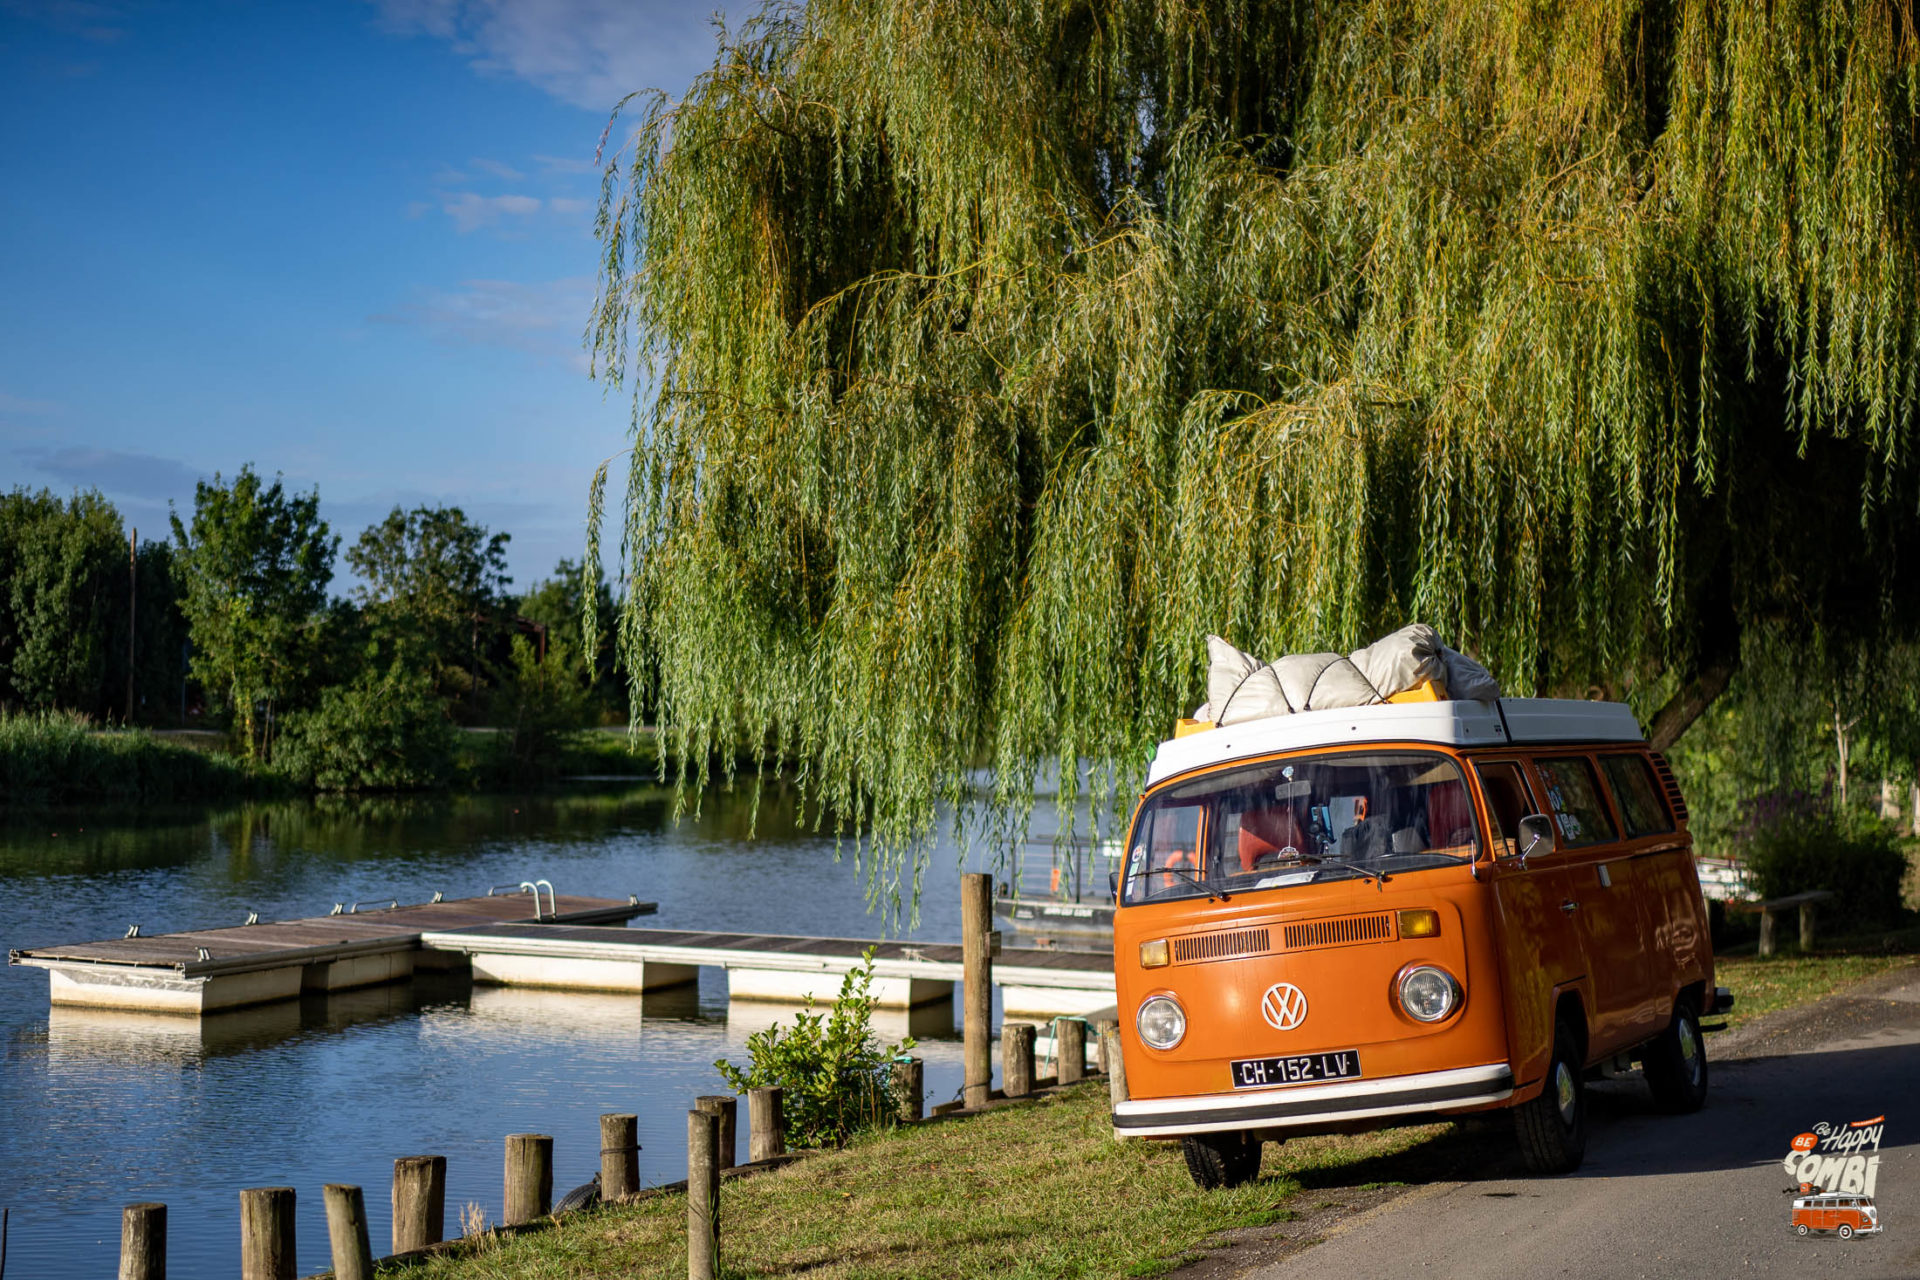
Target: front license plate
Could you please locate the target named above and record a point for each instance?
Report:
(1305, 1068)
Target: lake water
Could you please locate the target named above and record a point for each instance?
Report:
(98, 1111)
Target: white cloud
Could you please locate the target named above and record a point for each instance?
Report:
(21, 406)
(543, 319)
(470, 211)
(505, 172)
(591, 53)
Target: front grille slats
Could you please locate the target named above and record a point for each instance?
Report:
(1339, 933)
(1221, 946)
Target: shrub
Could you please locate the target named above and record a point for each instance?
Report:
(1794, 842)
(380, 733)
(56, 757)
(539, 707)
(836, 1075)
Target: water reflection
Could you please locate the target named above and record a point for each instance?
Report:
(102, 1108)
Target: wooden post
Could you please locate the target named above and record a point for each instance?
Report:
(1100, 1042)
(619, 1156)
(1016, 1058)
(529, 1177)
(266, 1233)
(133, 592)
(1766, 932)
(703, 1195)
(1116, 1064)
(727, 1107)
(143, 1242)
(1070, 1047)
(347, 1232)
(1806, 927)
(766, 1123)
(909, 1086)
(976, 924)
(419, 1202)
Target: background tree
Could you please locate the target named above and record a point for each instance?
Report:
(996, 355)
(560, 604)
(255, 565)
(63, 569)
(432, 587)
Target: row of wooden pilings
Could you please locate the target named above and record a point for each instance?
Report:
(420, 1182)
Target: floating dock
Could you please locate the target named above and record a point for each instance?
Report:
(207, 970)
(772, 967)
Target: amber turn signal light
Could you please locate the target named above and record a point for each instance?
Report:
(1420, 924)
(1153, 955)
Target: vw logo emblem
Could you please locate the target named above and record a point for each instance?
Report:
(1284, 1006)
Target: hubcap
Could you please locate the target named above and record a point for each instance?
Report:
(1563, 1090)
(1689, 1049)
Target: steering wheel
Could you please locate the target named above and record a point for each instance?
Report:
(1285, 854)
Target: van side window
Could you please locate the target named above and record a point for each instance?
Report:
(1641, 805)
(1166, 859)
(1574, 792)
(1508, 801)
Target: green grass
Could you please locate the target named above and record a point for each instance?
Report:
(51, 758)
(1782, 981)
(1025, 1191)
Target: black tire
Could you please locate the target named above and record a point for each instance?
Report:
(1552, 1128)
(1676, 1064)
(1221, 1159)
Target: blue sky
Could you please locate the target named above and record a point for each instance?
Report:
(350, 242)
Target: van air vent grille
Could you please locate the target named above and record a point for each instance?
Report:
(1221, 946)
(1339, 933)
(1675, 800)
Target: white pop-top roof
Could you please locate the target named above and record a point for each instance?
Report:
(1453, 724)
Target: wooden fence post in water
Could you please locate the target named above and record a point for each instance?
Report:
(619, 1156)
(703, 1195)
(727, 1108)
(1016, 1058)
(909, 1086)
(529, 1192)
(1070, 1047)
(143, 1242)
(266, 1233)
(976, 928)
(419, 1202)
(766, 1123)
(347, 1232)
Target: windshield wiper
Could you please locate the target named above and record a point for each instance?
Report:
(1191, 878)
(1314, 859)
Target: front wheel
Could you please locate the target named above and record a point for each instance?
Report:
(1552, 1128)
(1676, 1064)
(1846, 1232)
(1221, 1159)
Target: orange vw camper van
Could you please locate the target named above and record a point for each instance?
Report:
(1338, 920)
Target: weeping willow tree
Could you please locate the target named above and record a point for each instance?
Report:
(987, 356)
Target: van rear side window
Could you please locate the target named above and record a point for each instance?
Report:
(1574, 792)
(1638, 794)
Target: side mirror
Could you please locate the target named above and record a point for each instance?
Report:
(1113, 886)
(1536, 830)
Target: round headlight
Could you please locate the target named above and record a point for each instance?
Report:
(1428, 994)
(1162, 1022)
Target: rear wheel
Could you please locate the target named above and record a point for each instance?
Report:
(1800, 1230)
(1552, 1128)
(1676, 1063)
(1221, 1159)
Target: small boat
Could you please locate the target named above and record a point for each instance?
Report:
(1063, 887)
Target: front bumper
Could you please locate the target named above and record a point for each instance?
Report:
(1313, 1105)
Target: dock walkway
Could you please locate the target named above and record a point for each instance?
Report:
(203, 970)
(774, 967)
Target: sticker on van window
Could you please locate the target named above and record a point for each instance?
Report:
(1835, 1170)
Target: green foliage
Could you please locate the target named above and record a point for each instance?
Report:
(63, 574)
(254, 565)
(537, 708)
(1794, 842)
(562, 605)
(837, 1077)
(384, 732)
(432, 591)
(58, 758)
(995, 355)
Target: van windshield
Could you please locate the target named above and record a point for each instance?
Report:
(1301, 820)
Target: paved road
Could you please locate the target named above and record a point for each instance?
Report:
(1694, 1196)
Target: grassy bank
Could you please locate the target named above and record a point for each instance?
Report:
(1037, 1190)
(54, 759)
